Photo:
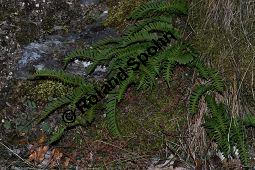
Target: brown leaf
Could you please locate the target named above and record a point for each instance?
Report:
(66, 162)
(42, 138)
(56, 154)
(32, 156)
(41, 152)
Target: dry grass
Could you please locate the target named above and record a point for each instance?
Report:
(224, 32)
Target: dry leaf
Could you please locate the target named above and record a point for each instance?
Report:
(42, 138)
(56, 154)
(38, 154)
(32, 156)
(41, 152)
(66, 162)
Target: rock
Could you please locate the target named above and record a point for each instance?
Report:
(41, 54)
(90, 2)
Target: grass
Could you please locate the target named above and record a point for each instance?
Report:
(223, 32)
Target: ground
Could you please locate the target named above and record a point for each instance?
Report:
(158, 130)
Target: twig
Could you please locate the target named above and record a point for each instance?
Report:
(28, 163)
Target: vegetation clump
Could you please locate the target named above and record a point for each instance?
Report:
(150, 22)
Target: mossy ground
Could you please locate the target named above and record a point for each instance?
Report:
(150, 122)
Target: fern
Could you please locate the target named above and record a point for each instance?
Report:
(249, 120)
(216, 80)
(57, 135)
(111, 114)
(157, 8)
(124, 85)
(82, 54)
(195, 97)
(147, 78)
(240, 140)
(168, 72)
(140, 25)
(218, 125)
(60, 75)
(90, 114)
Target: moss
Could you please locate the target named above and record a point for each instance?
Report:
(43, 90)
(120, 10)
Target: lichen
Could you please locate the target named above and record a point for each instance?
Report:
(43, 90)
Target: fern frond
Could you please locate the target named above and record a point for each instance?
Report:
(60, 75)
(218, 125)
(111, 117)
(147, 77)
(159, 8)
(125, 84)
(90, 114)
(106, 42)
(198, 64)
(196, 95)
(168, 72)
(138, 38)
(57, 135)
(160, 27)
(249, 120)
(176, 53)
(82, 54)
(78, 93)
(140, 25)
(216, 80)
(239, 138)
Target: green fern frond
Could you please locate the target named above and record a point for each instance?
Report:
(198, 64)
(140, 25)
(159, 8)
(90, 114)
(60, 75)
(249, 120)
(196, 95)
(176, 53)
(82, 54)
(217, 82)
(168, 72)
(111, 114)
(147, 77)
(125, 84)
(138, 38)
(240, 140)
(57, 135)
(105, 43)
(218, 125)
(160, 27)
(78, 93)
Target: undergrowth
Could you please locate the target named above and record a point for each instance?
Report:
(151, 21)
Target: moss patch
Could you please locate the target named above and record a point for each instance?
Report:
(120, 10)
(44, 90)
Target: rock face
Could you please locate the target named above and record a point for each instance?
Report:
(49, 52)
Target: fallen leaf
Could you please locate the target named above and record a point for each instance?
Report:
(66, 162)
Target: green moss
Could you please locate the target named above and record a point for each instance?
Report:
(46, 89)
(120, 10)
(148, 116)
